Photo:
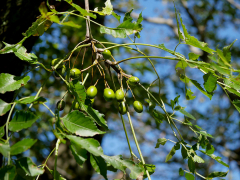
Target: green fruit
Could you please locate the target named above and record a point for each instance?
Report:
(91, 92)
(108, 94)
(133, 81)
(76, 106)
(75, 73)
(60, 71)
(120, 95)
(55, 62)
(122, 108)
(138, 106)
(107, 54)
(60, 105)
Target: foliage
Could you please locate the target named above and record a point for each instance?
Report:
(79, 126)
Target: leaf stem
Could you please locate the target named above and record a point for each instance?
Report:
(48, 109)
(56, 156)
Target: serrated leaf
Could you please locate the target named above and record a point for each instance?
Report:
(121, 164)
(189, 176)
(80, 124)
(79, 154)
(191, 40)
(161, 141)
(181, 172)
(90, 144)
(23, 55)
(99, 165)
(4, 148)
(223, 58)
(179, 32)
(117, 33)
(205, 133)
(4, 107)
(22, 120)
(22, 146)
(198, 159)
(38, 27)
(220, 69)
(78, 90)
(181, 64)
(193, 56)
(10, 82)
(43, 9)
(31, 99)
(81, 10)
(9, 171)
(9, 48)
(195, 83)
(217, 158)
(25, 167)
(217, 174)
(2, 131)
(107, 10)
(184, 152)
(170, 154)
(227, 53)
(151, 169)
(210, 82)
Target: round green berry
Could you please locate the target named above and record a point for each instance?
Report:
(60, 105)
(91, 92)
(122, 108)
(133, 81)
(54, 62)
(75, 73)
(107, 54)
(138, 107)
(119, 95)
(108, 94)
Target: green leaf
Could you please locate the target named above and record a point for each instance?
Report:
(80, 124)
(4, 107)
(227, 53)
(58, 176)
(10, 82)
(186, 113)
(23, 55)
(189, 176)
(107, 10)
(198, 159)
(22, 120)
(9, 48)
(179, 32)
(4, 148)
(193, 56)
(195, 83)
(90, 144)
(170, 154)
(236, 103)
(189, 95)
(22, 146)
(2, 131)
(31, 99)
(157, 116)
(162, 46)
(79, 154)
(210, 82)
(191, 40)
(232, 83)
(210, 149)
(151, 169)
(9, 171)
(217, 174)
(81, 10)
(25, 167)
(181, 172)
(121, 164)
(71, 24)
(117, 33)
(43, 9)
(161, 141)
(99, 165)
(217, 158)
(220, 69)
(78, 90)
(223, 58)
(38, 27)
(204, 133)
(184, 152)
(96, 116)
(116, 16)
(181, 64)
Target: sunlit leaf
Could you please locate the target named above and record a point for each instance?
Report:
(217, 174)
(31, 99)
(10, 82)
(189, 176)
(189, 95)
(193, 56)
(4, 107)
(80, 124)
(210, 82)
(23, 55)
(9, 48)
(22, 120)
(217, 158)
(198, 159)
(161, 141)
(99, 165)
(4, 148)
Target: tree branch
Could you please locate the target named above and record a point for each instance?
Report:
(234, 4)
